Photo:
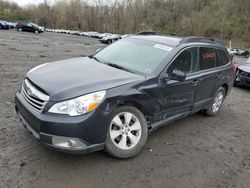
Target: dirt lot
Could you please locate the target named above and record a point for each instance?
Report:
(197, 151)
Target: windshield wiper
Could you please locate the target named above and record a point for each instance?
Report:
(119, 67)
(111, 64)
(95, 58)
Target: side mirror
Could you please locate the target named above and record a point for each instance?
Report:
(177, 75)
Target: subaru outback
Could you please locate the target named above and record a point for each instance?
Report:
(113, 99)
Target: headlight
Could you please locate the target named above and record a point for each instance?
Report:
(79, 105)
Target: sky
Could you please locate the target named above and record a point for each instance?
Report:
(26, 2)
(36, 2)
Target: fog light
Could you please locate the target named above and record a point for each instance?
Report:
(69, 143)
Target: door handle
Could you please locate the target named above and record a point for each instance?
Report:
(195, 82)
(219, 74)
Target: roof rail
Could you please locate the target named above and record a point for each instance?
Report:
(201, 39)
(154, 33)
(147, 33)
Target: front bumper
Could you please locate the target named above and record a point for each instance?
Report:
(242, 80)
(76, 135)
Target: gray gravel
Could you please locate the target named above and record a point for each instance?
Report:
(197, 151)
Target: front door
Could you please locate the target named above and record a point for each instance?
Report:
(176, 98)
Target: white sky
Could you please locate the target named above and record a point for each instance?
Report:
(51, 2)
(26, 2)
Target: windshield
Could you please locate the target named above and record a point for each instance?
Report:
(139, 56)
(34, 24)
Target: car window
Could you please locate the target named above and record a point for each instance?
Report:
(207, 58)
(185, 62)
(136, 55)
(223, 58)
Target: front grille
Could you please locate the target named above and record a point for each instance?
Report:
(243, 73)
(33, 96)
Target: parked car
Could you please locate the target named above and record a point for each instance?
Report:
(113, 99)
(29, 27)
(11, 25)
(101, 35)
(242, 74)
(75, 33)
(4, 25)
(239, 52)
(110, 39)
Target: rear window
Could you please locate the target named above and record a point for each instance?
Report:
(207, 58)
(223, 58)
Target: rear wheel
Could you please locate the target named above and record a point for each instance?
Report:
(127, 133)
(20, 29)
(216, 104)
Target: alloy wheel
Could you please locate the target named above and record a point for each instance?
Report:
(125, 130)
(217, 102)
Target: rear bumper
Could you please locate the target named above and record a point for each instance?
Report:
(76, 135)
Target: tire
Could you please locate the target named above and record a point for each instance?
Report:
(109, 41)
(20, 29)
(127, 133)
(217, 102)
(36, 31)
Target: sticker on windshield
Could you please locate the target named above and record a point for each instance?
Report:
(163, 47)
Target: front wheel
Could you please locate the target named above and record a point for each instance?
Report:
(36, 31)
(216, 104)
(127, 133)
(20, 29)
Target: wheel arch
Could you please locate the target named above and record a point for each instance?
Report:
(138, 106)
(226, 87)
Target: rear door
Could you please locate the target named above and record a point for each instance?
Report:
(209, 75)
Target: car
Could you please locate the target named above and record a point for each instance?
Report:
(29, 27)
(4, 25)
(239, 52)
(113, 99)
(11, 25)
(110, 39)
(75, 33)
(242, 74)
(101, 35)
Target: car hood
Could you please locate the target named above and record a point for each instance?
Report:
(70, 78)
(245, 68)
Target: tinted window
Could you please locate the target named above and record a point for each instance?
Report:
(223, 58)
(207, 58)
(185, 62)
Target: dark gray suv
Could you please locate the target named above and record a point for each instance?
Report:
(113, 99)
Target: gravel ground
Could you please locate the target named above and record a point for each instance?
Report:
(197, 151)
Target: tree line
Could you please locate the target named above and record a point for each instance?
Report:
(225, 19)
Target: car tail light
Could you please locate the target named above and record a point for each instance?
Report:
(234, 67)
